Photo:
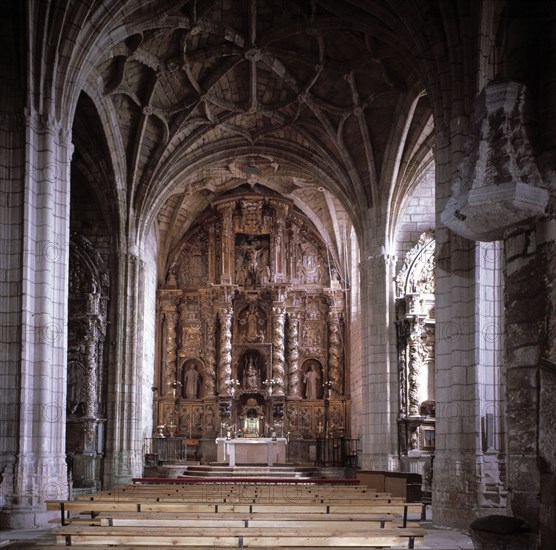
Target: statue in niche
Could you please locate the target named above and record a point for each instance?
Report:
(311, 379)
(251, 375)
(252, 320)
(190, 384)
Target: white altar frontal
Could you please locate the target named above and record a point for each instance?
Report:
(252, 450)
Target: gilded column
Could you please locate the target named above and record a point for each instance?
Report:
(227, 243)
(294, 371)
(278, 349)
(293, 246)
(279, 265)
(211, 254)
(335, 374)
(210, 344)
(225, 373)
(171, 318)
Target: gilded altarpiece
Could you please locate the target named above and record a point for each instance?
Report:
(415, 321)
(251, 329)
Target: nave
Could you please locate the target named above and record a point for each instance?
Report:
(293, 512)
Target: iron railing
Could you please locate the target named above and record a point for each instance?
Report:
(171, 450)
(340, 452)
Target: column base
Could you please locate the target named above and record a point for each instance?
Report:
(26, 518)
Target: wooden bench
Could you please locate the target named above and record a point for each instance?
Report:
(240, 516)
(349, 535)
(95, 508)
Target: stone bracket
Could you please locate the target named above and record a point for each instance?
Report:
(499, 184)
(484, 214)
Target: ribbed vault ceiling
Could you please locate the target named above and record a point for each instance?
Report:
(295, 96)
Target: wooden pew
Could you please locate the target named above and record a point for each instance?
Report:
(239, 516)
(239, 537)
(96, 507)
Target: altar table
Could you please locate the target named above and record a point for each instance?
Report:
(257, 450)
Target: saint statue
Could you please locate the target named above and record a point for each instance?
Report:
(311, 382)
(191, 382)
(252, 318)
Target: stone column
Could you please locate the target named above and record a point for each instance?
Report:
(530, 302)
(500, 195)
(379, 419)
(39, 287)
(11, 219)
(278, 349)
(225, 312)
(124, 438)
(294, 370)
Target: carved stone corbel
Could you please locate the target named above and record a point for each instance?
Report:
(499, 184)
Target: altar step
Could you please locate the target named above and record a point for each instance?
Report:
(222, 470)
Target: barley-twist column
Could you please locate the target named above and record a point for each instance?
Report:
(91, 400)
(225, 372)
(210, 359)
(207, 311)
(294, 371)
(334, 352)
(171, 317)
(278, 349)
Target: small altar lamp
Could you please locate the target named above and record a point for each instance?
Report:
(328, 387)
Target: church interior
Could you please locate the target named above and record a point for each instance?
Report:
(328, 224)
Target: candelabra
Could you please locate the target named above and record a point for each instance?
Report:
(175, 386)
(328, 388)
(269, 384)
(233, 384)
